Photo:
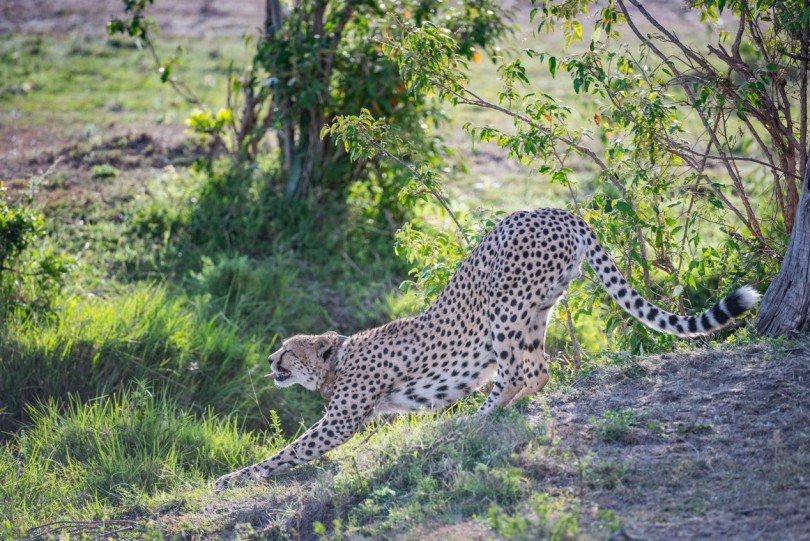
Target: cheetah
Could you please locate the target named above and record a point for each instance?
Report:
(489, 321)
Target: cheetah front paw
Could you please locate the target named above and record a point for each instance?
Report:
(228, 481)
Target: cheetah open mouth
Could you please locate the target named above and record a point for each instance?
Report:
(279, 375)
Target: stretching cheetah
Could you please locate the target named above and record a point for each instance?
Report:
(489, 321)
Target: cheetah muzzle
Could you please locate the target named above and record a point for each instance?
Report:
(490, 321)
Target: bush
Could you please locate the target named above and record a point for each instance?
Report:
(26, 277)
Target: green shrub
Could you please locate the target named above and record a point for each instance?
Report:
(617, 426)
(268, 264)
(29, 273)
(104, 170)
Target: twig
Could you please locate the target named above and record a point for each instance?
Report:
(435, 193)
(751, 223)
(39, 179)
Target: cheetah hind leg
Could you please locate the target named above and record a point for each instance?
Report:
(508, 378)
(535, 367)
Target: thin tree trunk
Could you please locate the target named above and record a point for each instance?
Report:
(785, 307)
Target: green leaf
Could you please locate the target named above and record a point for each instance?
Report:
(716, 202)
(625, 208)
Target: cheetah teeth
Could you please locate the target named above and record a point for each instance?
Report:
(279, 375)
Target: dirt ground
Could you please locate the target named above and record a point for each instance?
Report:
(716, 446)
(89, 17)
(27, 150)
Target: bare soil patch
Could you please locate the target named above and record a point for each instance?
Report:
(66, 174)
(90, 17)
(717, 443)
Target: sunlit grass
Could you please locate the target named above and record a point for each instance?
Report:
(73, 83)
(84, 460)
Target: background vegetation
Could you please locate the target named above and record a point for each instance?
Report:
(143, 283)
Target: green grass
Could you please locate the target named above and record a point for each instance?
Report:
(85, 460)
(93, 346)
(76, 84)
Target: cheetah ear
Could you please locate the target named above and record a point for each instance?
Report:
(326, 344)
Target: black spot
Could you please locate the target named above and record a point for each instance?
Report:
(693, 324)
(652, 314)
(673, 319)
(639, 302)
(621, 293)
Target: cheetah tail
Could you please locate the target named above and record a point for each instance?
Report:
(715, 318)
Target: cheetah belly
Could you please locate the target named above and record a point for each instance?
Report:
(435, 393)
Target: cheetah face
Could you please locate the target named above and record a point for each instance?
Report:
(303, 359)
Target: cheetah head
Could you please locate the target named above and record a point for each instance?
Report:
(305, 360)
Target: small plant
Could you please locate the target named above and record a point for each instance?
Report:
(547, 517)
(608, 520)
(25, 260)
(616, 426)
(605, 475)
(104, 170)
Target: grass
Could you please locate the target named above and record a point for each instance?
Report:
(443, 468)
(80, 84)
(96, 345)
(86, 460)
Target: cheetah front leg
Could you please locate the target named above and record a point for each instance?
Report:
(336, 427)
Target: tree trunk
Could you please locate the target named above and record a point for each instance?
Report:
(785, 307)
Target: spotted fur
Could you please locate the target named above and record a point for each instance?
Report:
(490, 321)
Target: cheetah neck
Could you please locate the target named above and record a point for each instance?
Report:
(327, 388)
